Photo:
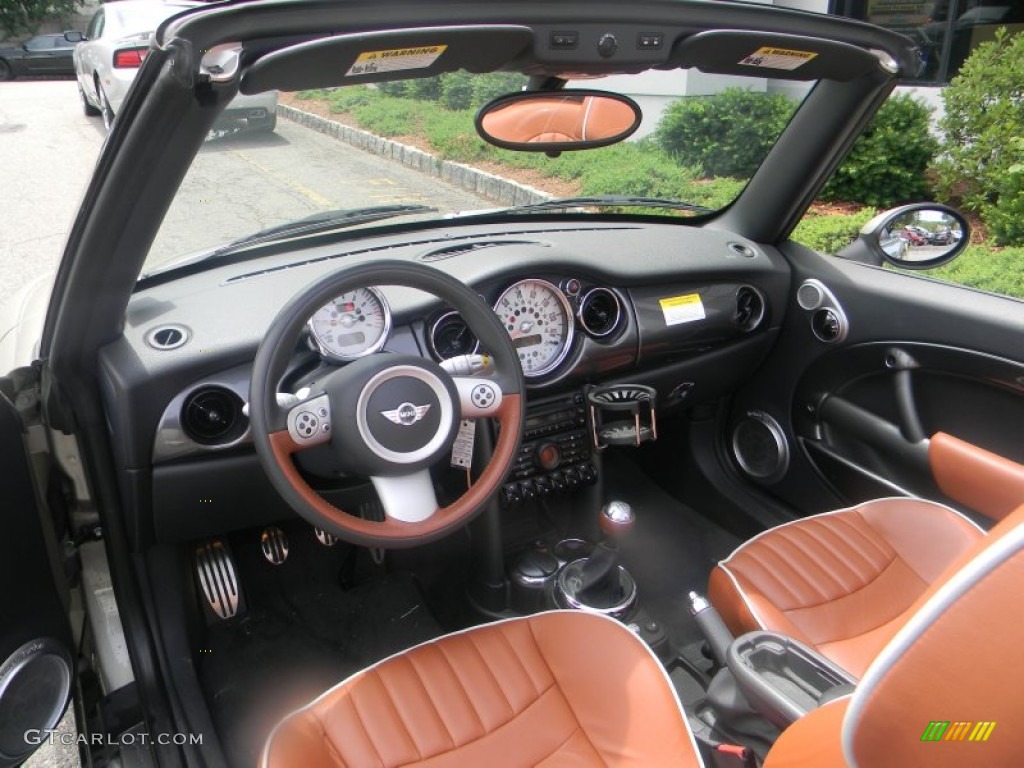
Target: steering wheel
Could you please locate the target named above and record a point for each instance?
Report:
(385, 416)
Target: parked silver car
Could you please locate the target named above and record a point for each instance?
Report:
(112, 49)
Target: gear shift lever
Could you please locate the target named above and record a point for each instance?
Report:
(599, 579)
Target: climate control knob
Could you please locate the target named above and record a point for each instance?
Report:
(547, 456)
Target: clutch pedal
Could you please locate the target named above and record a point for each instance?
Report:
(325, 538)
(216, 574)
(274, 544)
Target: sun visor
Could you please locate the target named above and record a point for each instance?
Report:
(766, 54)
(377, 56)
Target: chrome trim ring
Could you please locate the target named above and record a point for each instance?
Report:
(618, 312)
(444, 400)
(375, 347)
(433, 330)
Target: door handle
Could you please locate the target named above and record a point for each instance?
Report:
(902, 364)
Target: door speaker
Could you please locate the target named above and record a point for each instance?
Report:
(760, 447)
(35, 683)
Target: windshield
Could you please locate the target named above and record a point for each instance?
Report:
(413, 143)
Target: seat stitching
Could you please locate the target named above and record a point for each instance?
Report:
(430, 698)
(490, 672)
(564, 742)
(519, 661)
(465, 692)
(579, 725)
(840, 555)
(853, 544)
(760, 561)
(849, 524)
(338, 759)
(804, 563)
(860, 589)
(401, 720)
(362, 724)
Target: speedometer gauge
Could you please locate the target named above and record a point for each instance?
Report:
(354, 324)
(539, 320)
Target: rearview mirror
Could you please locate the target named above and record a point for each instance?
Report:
(917, 236)
(557, 121)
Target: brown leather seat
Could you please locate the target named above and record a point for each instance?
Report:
(557, 689)
(945, 692)
(843, 582)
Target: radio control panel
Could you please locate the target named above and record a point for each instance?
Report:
(556, 454)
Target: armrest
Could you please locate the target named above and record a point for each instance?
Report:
(783, 678)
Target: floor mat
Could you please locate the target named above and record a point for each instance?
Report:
(670, 551)
(301, 635)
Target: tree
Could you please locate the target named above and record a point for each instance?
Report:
(18, 16)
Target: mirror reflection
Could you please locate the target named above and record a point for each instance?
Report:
(558, 120)
(921, 236)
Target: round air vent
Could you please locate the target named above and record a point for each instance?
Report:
(600, 312)
(760, 447)
(213, 415)
(166, 337)
(749, 308)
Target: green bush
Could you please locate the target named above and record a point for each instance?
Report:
(396, 88)
(727, 134)
(888, 162)
(829, 234)
(489, 87)
(1005, 217)
(984, 112)
(998, 271)
(457, 90)
(424, 88)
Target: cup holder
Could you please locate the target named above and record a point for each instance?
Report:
(622, 414)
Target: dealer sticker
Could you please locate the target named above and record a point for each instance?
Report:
(462, 450)
(682, 309)
(375, 62)
(778, 58)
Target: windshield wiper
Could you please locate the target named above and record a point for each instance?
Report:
(625, 201)
(324, 221)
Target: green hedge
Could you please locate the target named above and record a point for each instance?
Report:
(727, 134)
(829, 234)
(997, 270)
(887, 164)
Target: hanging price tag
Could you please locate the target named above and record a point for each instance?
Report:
(462, 451)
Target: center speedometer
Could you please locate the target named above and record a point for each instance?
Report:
(353, 324)
(539, 319)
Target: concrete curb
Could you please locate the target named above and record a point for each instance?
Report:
(479, 182)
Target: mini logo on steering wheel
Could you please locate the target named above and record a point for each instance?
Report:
(406, 414)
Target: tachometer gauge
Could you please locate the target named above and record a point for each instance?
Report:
(354, 324)
(539, 319)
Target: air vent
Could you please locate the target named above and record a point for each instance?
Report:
(600, 312)
(440, 254)
(213, 415)
(749, 308)
(167, 337)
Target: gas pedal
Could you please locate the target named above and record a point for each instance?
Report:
(274, 544)
(216, 573)
(325, 538)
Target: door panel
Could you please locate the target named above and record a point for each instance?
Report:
(918, 358)
(36, 649)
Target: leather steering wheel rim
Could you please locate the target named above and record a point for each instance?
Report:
(275, 445)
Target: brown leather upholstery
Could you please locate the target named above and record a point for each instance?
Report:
(976, 478)
(843, 582)
(555, 689)
(956, 660)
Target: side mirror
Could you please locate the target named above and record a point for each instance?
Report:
(74, 36)
(557, 121)
(916, 236)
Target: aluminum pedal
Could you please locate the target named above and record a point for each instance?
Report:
(216, 573)
(325, 538)
(374, 510)
(274, 544)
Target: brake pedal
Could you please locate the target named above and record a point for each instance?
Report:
(374, 510)
(325, 538)
(274, 544)
(216, 573)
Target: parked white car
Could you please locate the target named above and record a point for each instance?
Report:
(113, 48)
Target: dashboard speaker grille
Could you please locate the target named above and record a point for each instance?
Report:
(760, 447)
(167, 337)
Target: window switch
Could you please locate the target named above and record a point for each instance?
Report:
(649, 42)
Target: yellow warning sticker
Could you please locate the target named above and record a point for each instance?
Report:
(375, 62)
(682, 309)
(777, 58)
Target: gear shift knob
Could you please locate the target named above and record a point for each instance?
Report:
(616, 519)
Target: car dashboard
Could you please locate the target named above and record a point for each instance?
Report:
(686, 310)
